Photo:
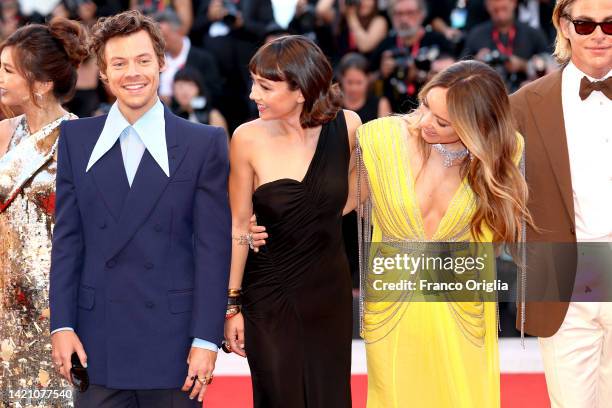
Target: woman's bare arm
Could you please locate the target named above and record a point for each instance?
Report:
(352, 123)
(240, 194)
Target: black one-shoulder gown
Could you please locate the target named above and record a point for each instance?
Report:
(297, 294)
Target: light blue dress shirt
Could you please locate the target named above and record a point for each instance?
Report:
(148, 133)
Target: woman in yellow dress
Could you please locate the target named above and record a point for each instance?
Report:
(445, 173)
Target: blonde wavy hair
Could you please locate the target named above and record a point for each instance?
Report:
(563, 48)
(479, 111)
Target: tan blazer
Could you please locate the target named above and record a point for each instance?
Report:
(551, 269)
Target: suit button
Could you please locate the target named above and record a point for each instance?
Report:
(148, 265)
(111, 263)
(157, 228)
(150, 305)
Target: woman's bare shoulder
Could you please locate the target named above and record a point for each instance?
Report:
(9, 124)
(251, 130)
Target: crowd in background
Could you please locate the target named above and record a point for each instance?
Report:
(383, 52)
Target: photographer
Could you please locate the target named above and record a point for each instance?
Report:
(233, 29)
(454, 18)
(314, 19)
(538, 14)
(504, 43)
(180, 52)
(352, 75)
(190, 99)
(405, 56)
(361, 27)
(246, 19)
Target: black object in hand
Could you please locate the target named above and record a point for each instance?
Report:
(78, 373)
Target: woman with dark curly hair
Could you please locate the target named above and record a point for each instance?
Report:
(291, 168)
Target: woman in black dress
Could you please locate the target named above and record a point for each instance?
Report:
(290, 167)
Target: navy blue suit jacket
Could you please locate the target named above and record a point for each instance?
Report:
(139, 272)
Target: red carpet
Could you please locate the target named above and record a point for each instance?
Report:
(518, 391)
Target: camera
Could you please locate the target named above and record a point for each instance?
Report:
(425, 57)
(422, 61)
(537, 66)
(495, 58)
(232, 12)
(497, 61)
(402, 57)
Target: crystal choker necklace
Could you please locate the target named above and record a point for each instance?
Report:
(448, 155)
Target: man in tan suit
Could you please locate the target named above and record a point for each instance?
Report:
(566, 119)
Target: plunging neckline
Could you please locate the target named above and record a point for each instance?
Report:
(308, 169)
(419, 214)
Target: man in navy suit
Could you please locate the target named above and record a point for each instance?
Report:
(141, 246)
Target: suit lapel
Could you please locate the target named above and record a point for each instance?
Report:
(109, 176)
(149, 183)
(547, 113)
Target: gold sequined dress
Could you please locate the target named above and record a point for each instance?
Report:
(27, 202)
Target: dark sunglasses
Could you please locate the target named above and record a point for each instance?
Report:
(587, 27)
(78, 373)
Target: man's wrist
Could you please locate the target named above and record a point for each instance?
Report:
(203, 344)
(62, 329)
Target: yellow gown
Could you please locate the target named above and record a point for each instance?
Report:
(421, 354)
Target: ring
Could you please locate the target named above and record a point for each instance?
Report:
(209, 380)
(225, 346)
(201, 380)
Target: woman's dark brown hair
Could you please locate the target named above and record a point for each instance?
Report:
(122, 25)
(50, 52)
(353, 60)
(301, 63)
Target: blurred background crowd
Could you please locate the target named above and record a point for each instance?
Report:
(383, 52)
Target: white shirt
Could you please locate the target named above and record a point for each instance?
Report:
(284, 11)
(166, 78)
(149, 132)
(588, 126)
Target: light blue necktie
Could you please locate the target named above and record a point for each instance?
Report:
(132, 150)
